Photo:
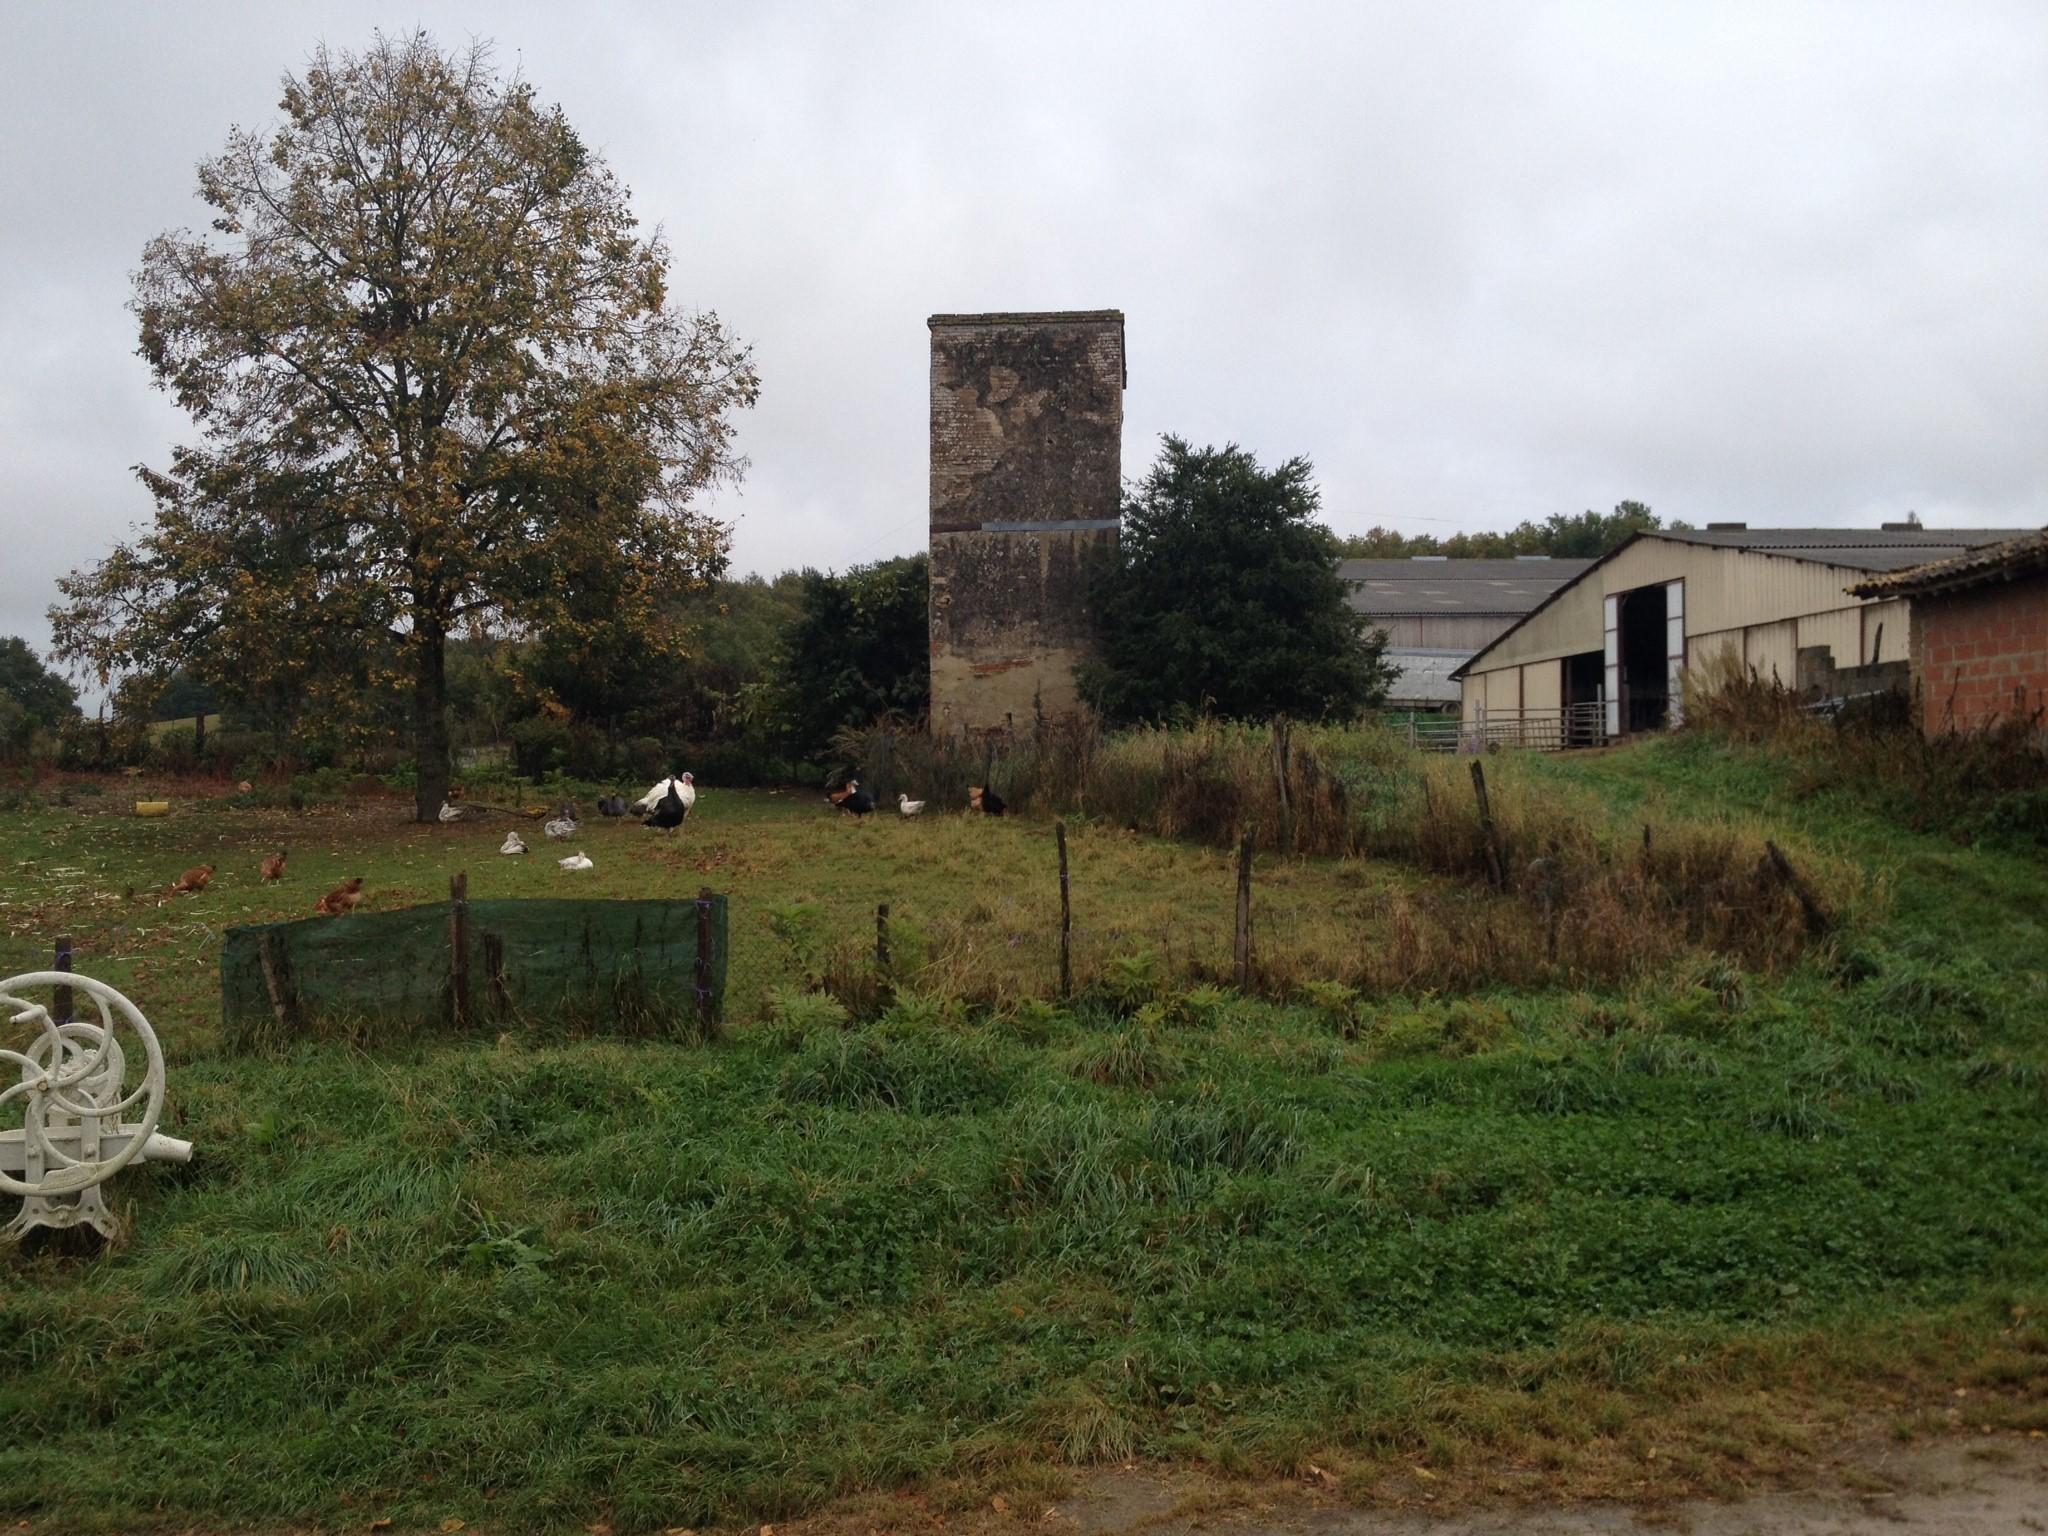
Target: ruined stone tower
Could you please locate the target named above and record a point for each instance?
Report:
(1027, 462)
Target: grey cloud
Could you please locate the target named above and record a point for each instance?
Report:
(1481, 262)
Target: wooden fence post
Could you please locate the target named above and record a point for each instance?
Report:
(1817, 919)
(1244, 912)
(60, 1000)
(277, 981)
(1281, 731)
(707, 1005)
(1059, 832)
(1487, 829)
(882, 938)
(458, 949)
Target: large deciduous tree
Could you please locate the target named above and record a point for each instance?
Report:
(1223, 595)
(440, 387)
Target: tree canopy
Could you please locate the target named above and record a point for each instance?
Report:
(1586, 535)
(859, 649)
(1223, 594)
(440, 388)
(32, 697)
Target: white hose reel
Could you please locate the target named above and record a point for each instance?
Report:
(71, 1099)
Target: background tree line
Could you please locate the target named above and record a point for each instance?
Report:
(1582, 536)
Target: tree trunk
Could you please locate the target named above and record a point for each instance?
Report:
(430, 723)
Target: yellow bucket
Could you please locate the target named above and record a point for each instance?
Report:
(152, 807)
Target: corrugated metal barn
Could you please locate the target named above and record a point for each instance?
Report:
(1604, 655)
(1437, 611)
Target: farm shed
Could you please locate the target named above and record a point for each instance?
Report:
(1979, 632)
(1604, 656)
(1436, 612)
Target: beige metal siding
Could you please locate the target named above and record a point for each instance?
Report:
(1727, 592)
(1441, 631)
(1474, 695)
(1701, 649)
(1543, 685)
(1503, 690)
(1841, 632)
(1894, 641)
(1769, 651)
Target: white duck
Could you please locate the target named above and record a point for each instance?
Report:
(908, 806)
(577, 861)
(450, 811)
(561, 827)
(686, 791)
(513, 843)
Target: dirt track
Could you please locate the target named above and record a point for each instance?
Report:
(1987, 1487)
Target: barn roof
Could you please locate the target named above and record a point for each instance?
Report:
(1995, 562)
(1385, 588)
(1856, 549)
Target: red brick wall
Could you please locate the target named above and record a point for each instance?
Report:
(1974, 648)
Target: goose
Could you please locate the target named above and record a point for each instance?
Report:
(908, 806)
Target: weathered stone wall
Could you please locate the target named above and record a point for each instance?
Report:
(1027, 463)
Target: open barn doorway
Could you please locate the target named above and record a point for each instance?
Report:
(1648, 619)
(1584, 691)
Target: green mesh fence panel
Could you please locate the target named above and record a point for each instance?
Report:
(568, 967)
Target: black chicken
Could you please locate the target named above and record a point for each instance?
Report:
(856, 800)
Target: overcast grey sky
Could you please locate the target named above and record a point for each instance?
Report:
(1777, 262)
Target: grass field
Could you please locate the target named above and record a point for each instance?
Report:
(1655, 1228)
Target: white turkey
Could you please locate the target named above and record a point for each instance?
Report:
(513, 843)
(908, 806)
(685, 786)
(577, 861)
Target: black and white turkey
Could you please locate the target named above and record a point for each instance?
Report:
(684, 786)
(669, 811)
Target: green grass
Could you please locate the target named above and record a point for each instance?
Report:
(534, 1284)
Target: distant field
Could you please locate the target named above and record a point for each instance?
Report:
(1671, 1232)
(158, 729)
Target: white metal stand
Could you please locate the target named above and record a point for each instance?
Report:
(72, 1136)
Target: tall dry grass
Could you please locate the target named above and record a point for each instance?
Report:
(1299, 788)
(1989, 784)
(1557, 889)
